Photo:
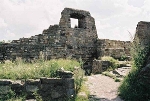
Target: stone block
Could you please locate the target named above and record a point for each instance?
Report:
(51, 81)
(17, 87)
(32, 88)
(100, 66)
(5, 82)
(32, 82)
(68, 83)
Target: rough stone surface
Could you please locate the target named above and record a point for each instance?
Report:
(55, 89)
(143, 32)
(142, 36)
(62, 41)
(100, 66)
(113, 48)
(58, 41)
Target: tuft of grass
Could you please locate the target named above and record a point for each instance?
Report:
(107, 73)
(114, 63)
(21, 70)
(85, 92)
(117, 80)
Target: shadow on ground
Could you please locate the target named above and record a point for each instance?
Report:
(95, 98)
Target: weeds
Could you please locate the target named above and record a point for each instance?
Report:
(113, 62)
(21, 70)
(135, 86)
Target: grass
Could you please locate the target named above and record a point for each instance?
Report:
(136, 86)
(107, 73)
(21, 70)
(83, 89)
(113, 62)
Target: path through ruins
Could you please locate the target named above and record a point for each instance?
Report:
(103, 88)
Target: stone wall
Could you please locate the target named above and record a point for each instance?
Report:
(59, 41)
(49, 89)
(100, 66)
(62, 41)
(143, 32)
(113, 48)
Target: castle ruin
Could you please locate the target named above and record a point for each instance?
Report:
(62, 41)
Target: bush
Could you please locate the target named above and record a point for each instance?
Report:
(135, 86)
(114, 63)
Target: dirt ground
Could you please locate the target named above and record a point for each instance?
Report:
(102, 88)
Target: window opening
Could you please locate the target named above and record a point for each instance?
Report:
(74, 23)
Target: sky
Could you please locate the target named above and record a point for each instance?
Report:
(114, 19)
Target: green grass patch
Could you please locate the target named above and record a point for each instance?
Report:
(83, 92)
(136, 86)
(107, 73)
(113, 62)
(21, 70)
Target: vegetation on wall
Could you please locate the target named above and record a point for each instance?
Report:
(135, 86)
(41, 68)
(113, 62)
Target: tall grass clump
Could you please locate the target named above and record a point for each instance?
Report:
(113, 62)
(135, 86)
(21, 70)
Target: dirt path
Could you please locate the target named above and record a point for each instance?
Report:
(102, 88)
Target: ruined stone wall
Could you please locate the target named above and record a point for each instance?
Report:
(142, 39)
(143, 32)
(46, 88)
(60, 41)
(113, 48)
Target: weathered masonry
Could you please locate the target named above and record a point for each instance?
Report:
(62, 41)
(143, 32)
(114, 48)
(59, 41)
(48, 89)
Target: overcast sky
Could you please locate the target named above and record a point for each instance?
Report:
(114, 18)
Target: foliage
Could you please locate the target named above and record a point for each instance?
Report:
(123, 58)
(8, 96)
(78, 77)
(111, 76)
(134, 87)
(108, 74)
(83, 89)
(21, 70)
(114, 63)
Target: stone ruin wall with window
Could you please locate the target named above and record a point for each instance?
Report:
(62, 41)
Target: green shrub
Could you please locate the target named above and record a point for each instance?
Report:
(113, 62)
(78, 78)
(135, 86)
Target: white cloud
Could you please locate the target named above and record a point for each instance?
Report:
(28, 17)
(114, 18)
(2, 23)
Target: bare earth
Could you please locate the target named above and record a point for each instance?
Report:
(102, 88)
